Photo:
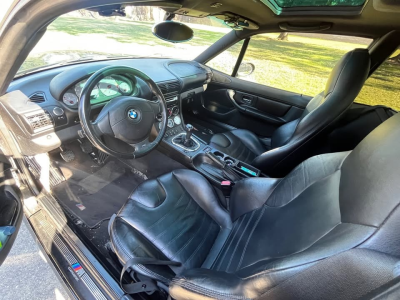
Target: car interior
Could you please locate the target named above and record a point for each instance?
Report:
(185, 182)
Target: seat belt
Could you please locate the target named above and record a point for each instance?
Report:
(147, 286)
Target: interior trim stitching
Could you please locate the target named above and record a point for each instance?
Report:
(191, 239)
(227, 248)
(380, 226)
(223, 247)
(312, 183)
(200, 245)
(240, 238)
(167, 213)
(178, 235)
(249, 237)
(174, 221)
(205, 291)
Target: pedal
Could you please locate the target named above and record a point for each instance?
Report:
(86, 145)
(98, 157)
(67, 155)
(102, 157)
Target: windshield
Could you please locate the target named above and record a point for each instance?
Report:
(85, 35)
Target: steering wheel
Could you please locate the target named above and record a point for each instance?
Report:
(127, 118)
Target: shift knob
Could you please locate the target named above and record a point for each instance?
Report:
(188, 128)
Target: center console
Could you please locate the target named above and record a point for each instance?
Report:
(180, 140)
(218, 166)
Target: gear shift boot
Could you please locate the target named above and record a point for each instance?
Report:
(185, 140)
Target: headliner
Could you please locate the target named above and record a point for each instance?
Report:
(370, 23)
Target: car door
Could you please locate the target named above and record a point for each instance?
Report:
(265, 82)
(11, 210)
(241, 104)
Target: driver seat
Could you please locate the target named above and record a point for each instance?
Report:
(327, 230)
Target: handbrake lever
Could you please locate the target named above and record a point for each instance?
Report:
(228, 172)
(215, 159)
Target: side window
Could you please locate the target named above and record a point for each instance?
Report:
(295, 62)
(383, 86)
(225, 61)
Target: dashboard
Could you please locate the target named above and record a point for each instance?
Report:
(41, 109)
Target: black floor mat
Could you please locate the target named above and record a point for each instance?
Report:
(93, 193)
(153, 164)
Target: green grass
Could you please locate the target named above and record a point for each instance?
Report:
(125, 32)
(300, 65)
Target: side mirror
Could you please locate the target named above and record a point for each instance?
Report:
(245, 69)
(173, 32)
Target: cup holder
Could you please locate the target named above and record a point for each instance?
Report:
(220, 155)
(230, 161)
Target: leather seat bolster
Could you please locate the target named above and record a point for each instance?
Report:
(148, 225)
(239, 143)
(150, 193)
(363, 268)
(250, 194)
(250, 140)
(124, 239)
(342, 75)
(204, 194)
(196, 284)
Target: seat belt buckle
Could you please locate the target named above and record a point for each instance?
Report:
(226, 187)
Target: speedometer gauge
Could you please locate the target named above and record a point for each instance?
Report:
(70, 99)
(108, 86)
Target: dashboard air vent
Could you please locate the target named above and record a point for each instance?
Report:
(170, 90)
(38, 97)
(39, 120)
(169, 87)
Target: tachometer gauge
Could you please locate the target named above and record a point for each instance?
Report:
(125, 88)
(70, 99)
(109, 86)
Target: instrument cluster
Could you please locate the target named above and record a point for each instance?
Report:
(107, 89)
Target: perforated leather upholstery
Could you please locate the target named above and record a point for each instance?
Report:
(276, 231)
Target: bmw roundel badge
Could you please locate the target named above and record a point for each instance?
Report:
(132, 114)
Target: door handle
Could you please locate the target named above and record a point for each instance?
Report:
(247, 100)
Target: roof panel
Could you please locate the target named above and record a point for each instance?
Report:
(318, 3)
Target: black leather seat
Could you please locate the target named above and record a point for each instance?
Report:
(294, 141)
(328, 230)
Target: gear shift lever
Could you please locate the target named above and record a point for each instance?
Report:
(188, 142)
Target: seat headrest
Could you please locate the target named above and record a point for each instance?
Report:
(352, 67)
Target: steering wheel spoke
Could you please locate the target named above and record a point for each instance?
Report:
(156, 107)
(142, 146)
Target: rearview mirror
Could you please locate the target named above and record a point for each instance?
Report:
(245, 69)
(173, 32)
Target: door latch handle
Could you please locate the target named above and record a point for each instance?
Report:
(246, 100)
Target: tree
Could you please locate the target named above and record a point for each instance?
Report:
(283, 36)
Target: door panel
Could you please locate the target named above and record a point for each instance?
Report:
(10, 210)
(242, 104)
